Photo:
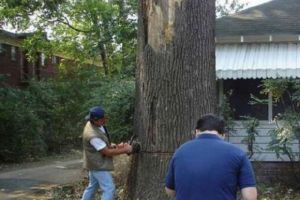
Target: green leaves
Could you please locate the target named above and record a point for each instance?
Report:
(117, 97)
(48, 116)
(99, 33)
(276, 86)
(20, 127)
(99, 30)
(287, 131)
(250, 124)
(227, 7)
(285, 92)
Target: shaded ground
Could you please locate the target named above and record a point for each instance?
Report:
(62, 178)
(30, 180)
(74, 191)
(56, 178)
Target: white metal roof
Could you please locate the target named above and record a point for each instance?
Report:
(257, 60)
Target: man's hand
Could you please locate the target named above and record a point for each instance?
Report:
(120, 145)
(171, 193)
(113, 145)
(249, 193)
(127, 147)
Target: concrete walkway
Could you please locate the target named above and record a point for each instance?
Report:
(19, 184)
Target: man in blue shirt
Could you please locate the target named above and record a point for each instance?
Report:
(208, 168)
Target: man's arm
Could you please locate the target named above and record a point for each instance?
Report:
(111, 150)
(170, 180)
(116, 151)
(171, 193)
(247, 180)
(249, 193)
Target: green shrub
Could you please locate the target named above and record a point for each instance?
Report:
(48, 116)
(20, 127)
(60, 105)
(117, 98)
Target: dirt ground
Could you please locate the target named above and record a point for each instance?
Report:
(56, 177)
(74, 191)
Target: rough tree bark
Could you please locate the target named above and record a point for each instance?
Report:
(175, 83)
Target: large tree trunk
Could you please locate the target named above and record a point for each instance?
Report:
(175, 83)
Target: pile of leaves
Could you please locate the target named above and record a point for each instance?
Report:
(75, 191)
(277, 192)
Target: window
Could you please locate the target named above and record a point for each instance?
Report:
(240, 98)
(13, 54)
(241, 101)
(43, 59)
(2, 49)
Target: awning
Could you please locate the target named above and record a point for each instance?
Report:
(259, 60)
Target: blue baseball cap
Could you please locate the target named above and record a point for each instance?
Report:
(96, 112)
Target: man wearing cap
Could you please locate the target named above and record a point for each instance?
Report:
(97, 155)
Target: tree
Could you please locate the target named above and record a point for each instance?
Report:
(175, 84)
(226, 7)
(97, 30)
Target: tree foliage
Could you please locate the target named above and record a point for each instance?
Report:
(226, 110)
(97, 30)
(226, 7)
(286, 92)
(48, 116)
(20, 127)
(117, 97)
(250, 124)
(103, 32)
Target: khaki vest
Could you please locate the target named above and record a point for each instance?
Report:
(93, 159)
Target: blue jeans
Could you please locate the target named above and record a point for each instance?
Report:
(104, 180)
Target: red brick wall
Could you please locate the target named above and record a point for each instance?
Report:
(13, 69)
(49, 70)
(9, 67)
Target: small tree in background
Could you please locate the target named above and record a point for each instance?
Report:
(287, 93)
(226, 7)
(227, 112)
(250, 124)
(287, 131)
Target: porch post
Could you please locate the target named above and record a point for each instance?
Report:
(270, 107)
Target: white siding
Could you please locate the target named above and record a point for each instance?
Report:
(261, 150)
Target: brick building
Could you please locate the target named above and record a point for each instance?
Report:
(15, 66)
